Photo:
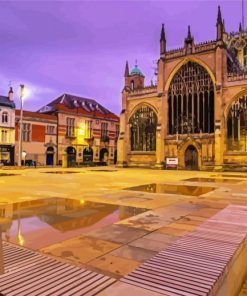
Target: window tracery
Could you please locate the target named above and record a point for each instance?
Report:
(191, 101)
(143, 125)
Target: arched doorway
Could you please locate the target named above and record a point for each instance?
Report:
(103, 154)
(191, 158)
(50, 156)
(71, 156)
(88, 154)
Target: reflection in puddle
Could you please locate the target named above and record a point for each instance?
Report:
(216, 180)
(40, 223)
(230, 176)
(103, 170)
(7, 175)
(172, 189)
(61, 172)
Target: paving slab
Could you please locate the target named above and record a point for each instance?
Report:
(149, 244)
(81, 249)
(172, 231)
(116, 266)
(123, 289)
(133, 253)
(117, 233)
(155, 219)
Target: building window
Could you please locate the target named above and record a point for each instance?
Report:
(88, 129)
(5, 117)
(117, 131)
(191, 101)
(245, 56)
(70, 127)
(26, 132)
(50, 129)
(104, 131)
(237, 125)
(143, 125)
(4, 136)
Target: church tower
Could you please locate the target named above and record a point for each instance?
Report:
(134, 79)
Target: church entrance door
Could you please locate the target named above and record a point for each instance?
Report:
(191, 158)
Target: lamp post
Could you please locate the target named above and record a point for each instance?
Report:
(21, 125)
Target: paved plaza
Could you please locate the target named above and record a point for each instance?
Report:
(129, 215)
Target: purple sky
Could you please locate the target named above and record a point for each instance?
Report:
(80, 47)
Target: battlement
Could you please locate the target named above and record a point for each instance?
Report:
(151, 89)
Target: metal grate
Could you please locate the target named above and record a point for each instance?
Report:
(30, 273)
(193, 264)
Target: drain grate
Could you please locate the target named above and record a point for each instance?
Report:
(193, 264)
(31, 273)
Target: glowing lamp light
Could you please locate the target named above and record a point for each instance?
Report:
(20, 239)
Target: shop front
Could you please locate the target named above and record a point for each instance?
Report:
(7, 153)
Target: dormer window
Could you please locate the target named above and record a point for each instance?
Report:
(5, 117)
(132, 84)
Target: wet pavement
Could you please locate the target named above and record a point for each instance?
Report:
(174, 189)
(215, 180)
(40, 223)
(113, 244)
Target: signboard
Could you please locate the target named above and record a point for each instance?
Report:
(171, 162)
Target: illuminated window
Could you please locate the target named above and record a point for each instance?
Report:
(88, 128)
(4, 136)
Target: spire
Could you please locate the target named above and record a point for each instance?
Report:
(189, 37)
(240, 27)
(126, 73)
(162, 40)
(163, 34)
(220, 26)
(224, 29)
(219, 17)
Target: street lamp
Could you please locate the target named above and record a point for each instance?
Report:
(20, 125)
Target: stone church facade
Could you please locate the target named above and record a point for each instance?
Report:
(197, 111)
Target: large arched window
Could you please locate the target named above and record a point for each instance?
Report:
(237, 125)
(191, 101)
(5, 117)
(143, 124)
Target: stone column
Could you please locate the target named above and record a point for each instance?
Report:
(218, 149)
(160, 155)
(121, 145)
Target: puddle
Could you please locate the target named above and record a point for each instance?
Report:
(7, 175)
(103, 170)
(215, 180)
(37, 224)
(61, 172)
(230, 176)
(172, 189)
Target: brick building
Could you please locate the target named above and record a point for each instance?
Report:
(86, 130)
(196, 113)
(39, 137)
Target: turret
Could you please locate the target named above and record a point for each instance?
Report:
(189, 42)
(11, 94)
